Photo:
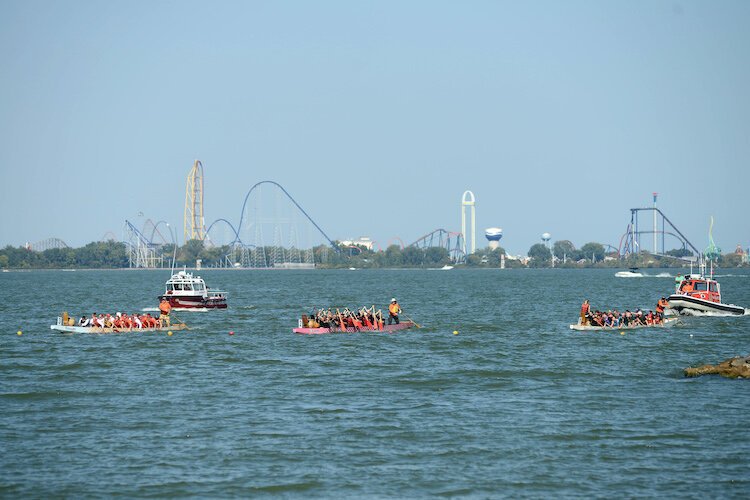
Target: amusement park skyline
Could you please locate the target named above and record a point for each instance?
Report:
(375, 118)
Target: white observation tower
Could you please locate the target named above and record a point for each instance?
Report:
(468, 203)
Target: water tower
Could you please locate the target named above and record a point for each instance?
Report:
(493, 235)
(545, 239)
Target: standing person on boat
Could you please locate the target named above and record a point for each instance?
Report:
(393, 311)
(585, 308)
(165, 308)
(660, 306)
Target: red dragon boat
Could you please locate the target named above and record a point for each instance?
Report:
(404, 325)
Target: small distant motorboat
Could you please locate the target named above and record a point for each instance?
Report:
(631, 273)
(446, 268)
(696, 293)
(665, 324)
(190, 293)
(60, 326)
(404, 325)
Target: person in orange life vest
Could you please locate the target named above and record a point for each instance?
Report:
(393, 311)
(585, 308)
(660, 306)
(165, 308)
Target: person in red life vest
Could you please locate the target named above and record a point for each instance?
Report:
(165, 308)
(660, 306)
(585, 308)
(393, 311)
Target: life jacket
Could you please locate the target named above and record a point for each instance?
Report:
(165, 307)
(394, 309)
(585, 308)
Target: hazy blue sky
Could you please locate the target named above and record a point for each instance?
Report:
(377, 116)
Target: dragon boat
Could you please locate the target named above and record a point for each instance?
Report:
(665, 324)
(404, 325)
(62, 326)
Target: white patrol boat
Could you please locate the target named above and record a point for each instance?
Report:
(190, 293)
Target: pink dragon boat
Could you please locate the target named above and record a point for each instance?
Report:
(404, 325)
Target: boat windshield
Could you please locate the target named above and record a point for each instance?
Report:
(712, 287)
(701, 286)
(199, 287)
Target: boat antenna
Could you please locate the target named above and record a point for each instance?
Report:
(174, 250)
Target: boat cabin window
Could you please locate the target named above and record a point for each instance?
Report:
(178, 286)
(187, 286)
(700, 286)
(170, 287)
(199, 287)
(712, 287)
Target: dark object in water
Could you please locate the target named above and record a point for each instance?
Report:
(737, 367)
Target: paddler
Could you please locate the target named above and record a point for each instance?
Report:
(165, 308)
(585, 308)
(393, 311)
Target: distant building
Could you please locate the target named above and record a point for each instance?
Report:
(363, 241)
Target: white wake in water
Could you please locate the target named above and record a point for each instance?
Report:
(630, 274)
(713, 314)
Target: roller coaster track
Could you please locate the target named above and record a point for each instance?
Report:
(141, 251)
(629, 243)
(48, 244)
(244, 204)
(442, 238)
(236, 241)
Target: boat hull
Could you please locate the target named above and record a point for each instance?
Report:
(196, 302)
(404, 325)
(628, 274)
(683, 304)
(667, 323)
(89, 329)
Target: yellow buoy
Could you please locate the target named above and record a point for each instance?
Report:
(169, 333)
(455, 332)
(19, 332)
(622, 333)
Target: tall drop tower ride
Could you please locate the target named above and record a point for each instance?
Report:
(194, 222)
(468, 203)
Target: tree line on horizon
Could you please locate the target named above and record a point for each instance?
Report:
(114, 255)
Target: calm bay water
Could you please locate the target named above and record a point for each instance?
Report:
(514, 405)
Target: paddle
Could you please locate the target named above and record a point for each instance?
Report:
(341, 321)
(415, 323)
(180, 321)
